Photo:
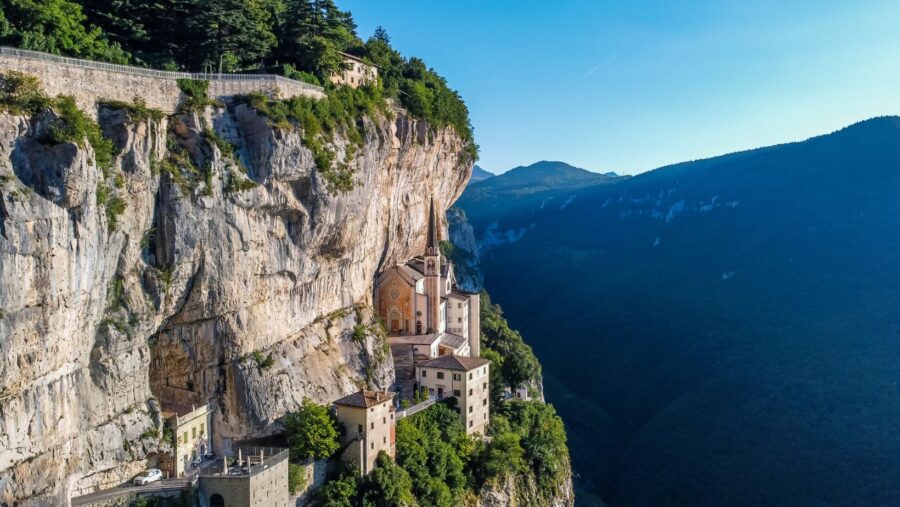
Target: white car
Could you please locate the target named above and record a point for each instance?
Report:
(148, 476)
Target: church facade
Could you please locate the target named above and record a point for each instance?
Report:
(421, 305)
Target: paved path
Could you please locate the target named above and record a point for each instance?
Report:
(404, 369)
(179, 484)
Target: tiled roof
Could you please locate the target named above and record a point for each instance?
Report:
(461, 363)
(454, 341)
(365, 399)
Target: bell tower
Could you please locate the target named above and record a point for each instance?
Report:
(433, 270)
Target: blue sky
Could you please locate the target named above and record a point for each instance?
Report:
(631, 86)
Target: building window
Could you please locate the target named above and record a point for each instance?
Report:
(372, 425)
(384, 420)
(470, 424)
(201, 429)
(424, 373)
(372, 446)
(459, 320)
(384, 439)
(184, 440)
(359, 428)
(484, 385)
(440, 375)
(457, 376)
(470, 376)
(484, 402)
(471, 407)
(470, 392)
(457, 393)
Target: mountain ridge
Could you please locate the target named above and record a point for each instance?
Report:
(695, 296)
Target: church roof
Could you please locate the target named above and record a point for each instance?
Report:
(457, 295)
(461, 363)
(454, 341)
(365, 399)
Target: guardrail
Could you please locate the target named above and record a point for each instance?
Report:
(163, 74)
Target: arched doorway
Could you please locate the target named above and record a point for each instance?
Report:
(216, 501)
(395, 318)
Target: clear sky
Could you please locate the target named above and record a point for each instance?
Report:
(628, 86)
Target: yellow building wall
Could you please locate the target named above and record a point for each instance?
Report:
(378, 431)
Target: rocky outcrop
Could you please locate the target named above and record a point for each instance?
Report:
(522, 491)
(251, 298)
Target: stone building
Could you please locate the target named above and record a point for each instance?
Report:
(369, 427)
(190, 431)
(423, 308)
(465, 378)
(259, 478)
(356, 72)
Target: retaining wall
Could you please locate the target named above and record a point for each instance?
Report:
(90, 82)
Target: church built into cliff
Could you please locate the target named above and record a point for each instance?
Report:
(423, 308)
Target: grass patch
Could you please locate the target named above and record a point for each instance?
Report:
(137, 109)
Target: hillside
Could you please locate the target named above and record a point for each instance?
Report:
(727, 330)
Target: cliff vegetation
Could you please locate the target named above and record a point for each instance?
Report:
(301, 39)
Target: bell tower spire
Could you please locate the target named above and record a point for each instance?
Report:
(433, 270)
(432, 246)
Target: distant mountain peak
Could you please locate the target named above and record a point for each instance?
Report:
(479, 174)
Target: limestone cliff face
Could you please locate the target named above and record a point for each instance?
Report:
(175, 300)
(521, 491)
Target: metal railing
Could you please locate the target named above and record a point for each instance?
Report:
(161, 74)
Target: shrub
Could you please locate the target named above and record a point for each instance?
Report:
(263, 362)
(74, 126)
(114, 209)
(22, 94)
(137, 110)
(296, 478)
(235, 183)
(195, 94)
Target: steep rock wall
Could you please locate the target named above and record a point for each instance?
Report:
(190, 283)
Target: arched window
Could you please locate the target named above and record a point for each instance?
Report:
(418, 327)
(216, 501)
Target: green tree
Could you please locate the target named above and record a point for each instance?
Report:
(56, 26)
(312, 33)
(231, 35)
(387, 486)
(498, 382)
(503, 455)
(340, 492)
(312, 431)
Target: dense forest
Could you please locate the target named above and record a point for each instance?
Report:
(301, 39)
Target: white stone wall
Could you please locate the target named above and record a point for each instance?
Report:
(90, 85)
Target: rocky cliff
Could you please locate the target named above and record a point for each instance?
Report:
(249, 296)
